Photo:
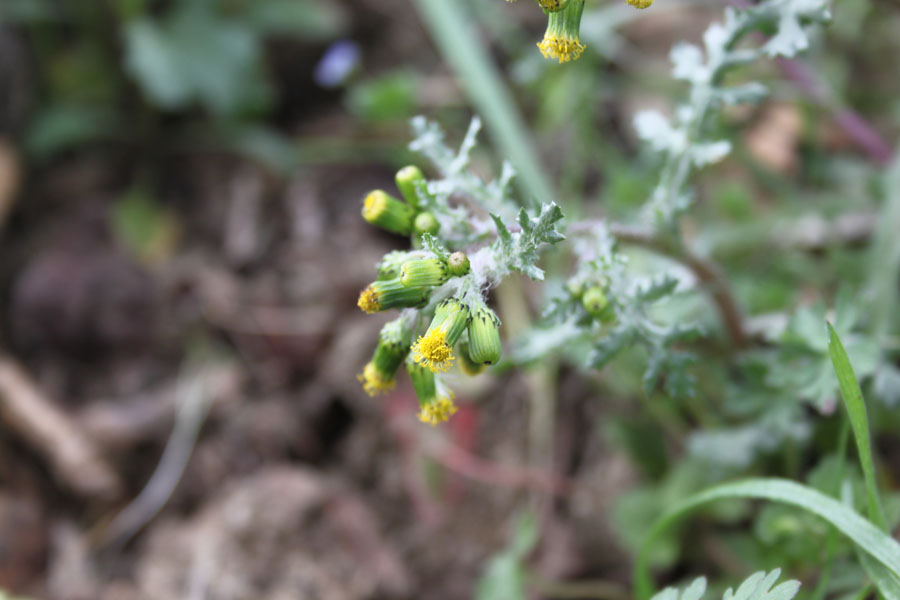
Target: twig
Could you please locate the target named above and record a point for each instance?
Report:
(193, 407)
(707, 272)
(72, 456)
(468, 465)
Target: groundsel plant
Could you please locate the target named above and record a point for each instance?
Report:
(440, 288)
(605, 307)
(464, 248)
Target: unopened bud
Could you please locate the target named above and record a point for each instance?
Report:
(388, 212)
(408, 180)
(458, 263)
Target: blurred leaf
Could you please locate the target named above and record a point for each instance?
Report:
(27, 11)
(61, 127)
(196, 56)
(504, 578)
(262, 144)
(306, 18)
(145, 228)
(389, 97)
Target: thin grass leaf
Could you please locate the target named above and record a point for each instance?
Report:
(871, 540)
(859, 421)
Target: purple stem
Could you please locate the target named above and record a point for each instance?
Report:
(854, 125)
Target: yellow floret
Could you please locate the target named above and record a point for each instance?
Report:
(368, 300)
(640, 3)
(374, 382)
(561, 49)
(438, 411)
(431, 350)
(376, 203)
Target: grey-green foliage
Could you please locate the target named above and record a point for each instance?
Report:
(484, 211)
(685, 146)
(520, 251)
(758, 586)
(457, 179)
(682, 141)
(737, 447)
(633, 296)
(802, 367)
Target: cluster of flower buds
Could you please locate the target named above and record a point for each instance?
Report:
(562, 39)
(594, 300)
(395, 215)
(459, 320)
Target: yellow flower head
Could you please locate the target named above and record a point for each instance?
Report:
(368, 300)
(374, 381)
(553, 5)
(562, 40)
(435, 400)
(438, 411)
(433, 351)
(640, 3)
(375, 205)
(393, 346)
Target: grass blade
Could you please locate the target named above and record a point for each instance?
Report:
(859, 421)
(869, 538)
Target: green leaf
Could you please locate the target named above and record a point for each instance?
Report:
(657, 288)
(610, 345)
(519, 251)
(504, 578)
(431, 243)
(882, 548)
(196, 55)
(756, 587)
(385, 98)
(859, 421)
(503, 233)
(60, 127)
(306, 18)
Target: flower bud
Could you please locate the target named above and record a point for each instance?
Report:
(389, 267)
(466, 364)
(408, 180)
(575, 288)
(425, 222)
(458, 264)
(435, 349)
(562, 39)
(597, 304)
(390, 293)
(435, 402)
(392, 349)
(388, 212)
(426, 272)
(484, 337)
